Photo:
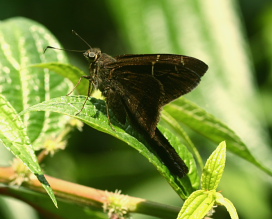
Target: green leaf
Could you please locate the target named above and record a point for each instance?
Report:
(197, 205)
(69, 71)
(95, 115)
(214, 168)
(188, 113)
(22, 43)
(200, 203)
(14, 137)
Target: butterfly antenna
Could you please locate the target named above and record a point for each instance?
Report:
(69, 50)
(74, 32)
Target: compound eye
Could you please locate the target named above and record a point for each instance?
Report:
(92, 56)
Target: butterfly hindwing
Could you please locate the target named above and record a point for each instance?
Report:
(141, 95)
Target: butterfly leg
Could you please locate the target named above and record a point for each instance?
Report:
(89, 90)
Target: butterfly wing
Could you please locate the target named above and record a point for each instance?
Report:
(178, 74)
(140, 95)
(145, 83)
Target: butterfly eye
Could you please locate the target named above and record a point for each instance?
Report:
(91, 56)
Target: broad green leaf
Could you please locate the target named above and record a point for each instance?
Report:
(22, 42)
(214, 168)
(71, 72)
(14, 137)
(94, 114)
(197, 205)
(188, 113)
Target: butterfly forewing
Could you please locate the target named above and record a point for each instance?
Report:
(178, 74)
(194, 64)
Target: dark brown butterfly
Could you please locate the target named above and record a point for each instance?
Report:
(136, 88)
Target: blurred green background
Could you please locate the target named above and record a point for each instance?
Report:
(233, 37)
